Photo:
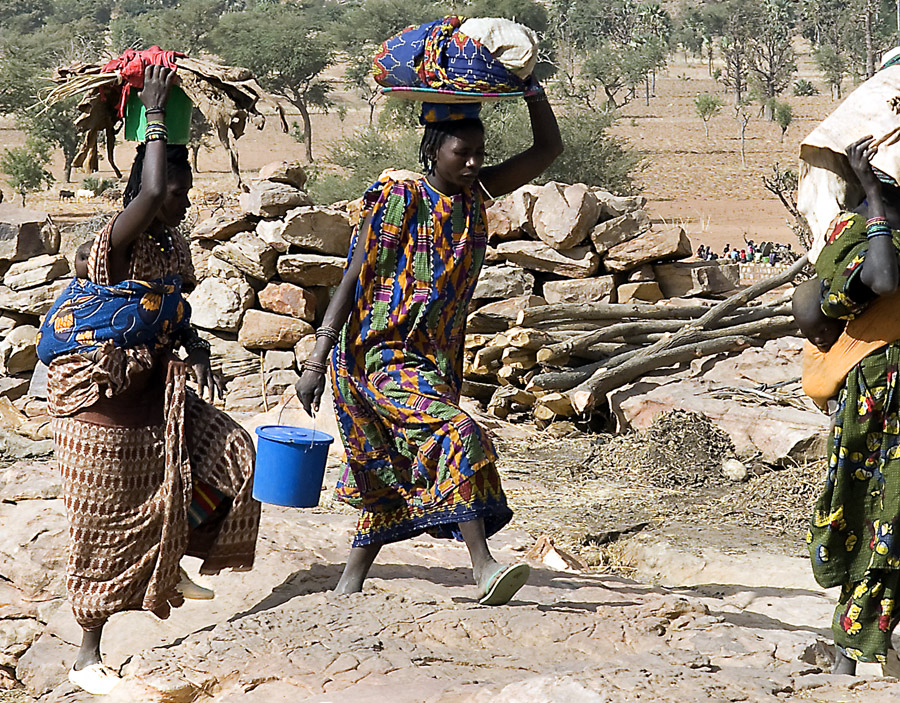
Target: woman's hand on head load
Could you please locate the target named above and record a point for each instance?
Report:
(860, 154)
(158, 82)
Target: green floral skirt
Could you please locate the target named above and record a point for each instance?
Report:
(851, 534)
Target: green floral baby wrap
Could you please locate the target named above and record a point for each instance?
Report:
(851, 534)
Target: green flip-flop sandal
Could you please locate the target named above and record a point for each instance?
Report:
(505, 584)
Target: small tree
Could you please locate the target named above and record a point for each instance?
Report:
(833, 66)
(742, 116)
(707, 107)
(26, 167)
(783, 114)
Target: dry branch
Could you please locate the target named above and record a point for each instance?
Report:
(585, 396)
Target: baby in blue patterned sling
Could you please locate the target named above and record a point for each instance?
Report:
(87, 315)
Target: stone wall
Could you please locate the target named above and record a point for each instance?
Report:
(266, 272)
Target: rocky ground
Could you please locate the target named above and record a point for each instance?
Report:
(734, 614)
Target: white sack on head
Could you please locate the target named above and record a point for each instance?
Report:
(512, 44)
(827, 183)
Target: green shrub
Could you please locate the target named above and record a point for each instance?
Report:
(805, 88)
(356, 161)
(590, 155)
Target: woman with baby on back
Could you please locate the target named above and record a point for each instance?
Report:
(151, 472)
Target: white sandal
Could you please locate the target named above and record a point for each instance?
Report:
(191, 590)
(97, 679)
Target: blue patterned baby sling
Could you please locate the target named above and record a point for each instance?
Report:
(87, 315)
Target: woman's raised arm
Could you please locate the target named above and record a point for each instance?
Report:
(524, 167)
(140, 212)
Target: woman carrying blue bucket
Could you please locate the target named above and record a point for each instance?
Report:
(417, 462)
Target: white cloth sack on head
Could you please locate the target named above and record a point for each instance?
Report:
(512, 44)
(828, 185)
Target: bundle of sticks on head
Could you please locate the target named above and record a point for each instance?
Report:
(228, 97)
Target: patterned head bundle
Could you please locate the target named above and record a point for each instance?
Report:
(439, 56)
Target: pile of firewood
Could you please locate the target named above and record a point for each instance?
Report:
(558, 361)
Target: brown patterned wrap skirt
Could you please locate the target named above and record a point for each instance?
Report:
(127, 490)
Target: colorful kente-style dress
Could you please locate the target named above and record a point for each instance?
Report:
(852, 532)
(416, 461)
(169, 475)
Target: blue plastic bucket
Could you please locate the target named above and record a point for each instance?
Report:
(290, 465)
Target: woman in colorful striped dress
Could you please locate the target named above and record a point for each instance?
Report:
(416, 461)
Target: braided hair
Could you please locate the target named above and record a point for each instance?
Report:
(436, 133)
(176, 162)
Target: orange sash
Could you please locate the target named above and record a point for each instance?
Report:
(824, 372)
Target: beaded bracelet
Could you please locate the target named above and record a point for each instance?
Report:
(877, 227)
(314, 366)
(329, 332)
(156, 130)
(191, 341)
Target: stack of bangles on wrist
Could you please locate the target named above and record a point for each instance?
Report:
(877, 227)
(538, 96)
(329, 332)
(314, 366)
(156, 130)
(191, 341)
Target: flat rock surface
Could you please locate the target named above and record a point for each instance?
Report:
(738, 619)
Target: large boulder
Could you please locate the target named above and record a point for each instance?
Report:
(500, 225)
(219, 304)
(616, 205)
(520, 205)
(639, 292)
(665, 244)
(619, 229)
(271, 199)
(17, 350)
(290, 172)
(578, 262)
(36, 271)
(503, 282)
(311, 269)
(563, 215)
(266, 330)
(222, 227)
(323, 230)
(249, 254)
(228, 357)
(32, 301)
(683, 279)
(270, 232)
(586, 290)
(288, 299)
(26, 233)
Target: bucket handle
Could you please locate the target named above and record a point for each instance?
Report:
(312, 440)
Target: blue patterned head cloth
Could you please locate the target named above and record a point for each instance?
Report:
(448, 112)
(436, 55)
